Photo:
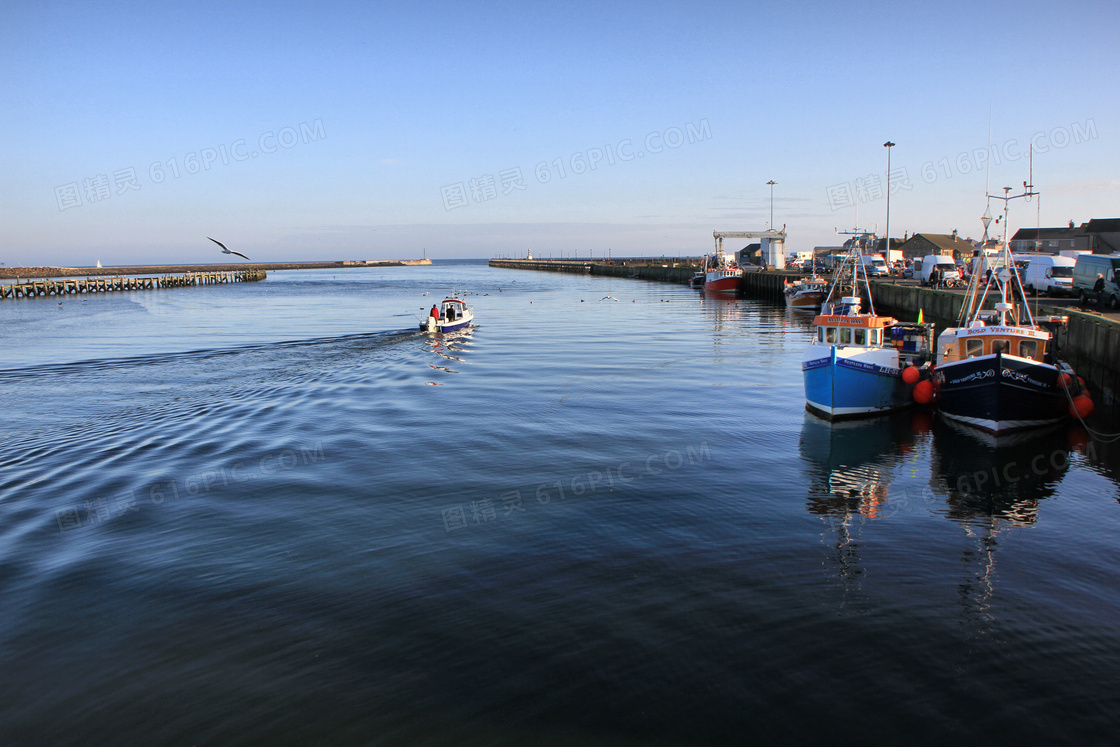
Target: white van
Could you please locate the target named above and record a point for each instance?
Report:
(874, 265)
(1046, 273)
(942, 262)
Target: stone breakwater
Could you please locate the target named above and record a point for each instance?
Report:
(63, 272)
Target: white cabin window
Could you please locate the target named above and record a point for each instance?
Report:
(875, 340)
(1000, 346)
(845, 336)
(1028, 349)
(859, 336)
(973, 348)
(820, 334)
(831, 335)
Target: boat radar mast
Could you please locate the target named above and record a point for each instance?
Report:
(1008, 275)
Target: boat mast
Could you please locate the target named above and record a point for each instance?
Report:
(851, 264)
(978, 271)
(1012, 272)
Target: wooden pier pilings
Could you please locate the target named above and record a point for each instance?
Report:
(76, 286)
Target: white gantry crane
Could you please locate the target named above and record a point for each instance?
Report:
(773, 244)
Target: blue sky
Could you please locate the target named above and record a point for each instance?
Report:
(390, 130)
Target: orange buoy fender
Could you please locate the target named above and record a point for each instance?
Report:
(923, 392)
(1082, 406)
(911, 374)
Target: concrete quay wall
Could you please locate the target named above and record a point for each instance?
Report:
(756, 284)
(669, 272)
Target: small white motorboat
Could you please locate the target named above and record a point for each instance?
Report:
(448, 316)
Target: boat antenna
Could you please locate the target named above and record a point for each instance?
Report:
(1030, 173)
(988, 171)
(1009, 261)
(1037, 222)
(979, 268)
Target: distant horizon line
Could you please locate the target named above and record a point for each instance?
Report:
(357, 262)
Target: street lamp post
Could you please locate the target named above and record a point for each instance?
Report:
(888, 145)
(771, 183)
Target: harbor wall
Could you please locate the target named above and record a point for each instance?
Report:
(768, 285)
(673, 271)
(756, 284)
(1091, 344)
(659, 273)
(905, 301)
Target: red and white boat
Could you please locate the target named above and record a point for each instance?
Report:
(721, 273)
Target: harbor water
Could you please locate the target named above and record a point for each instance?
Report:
(276, 513)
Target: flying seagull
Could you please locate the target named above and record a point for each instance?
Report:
(227, 251)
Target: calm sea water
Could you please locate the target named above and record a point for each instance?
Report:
(275, 513)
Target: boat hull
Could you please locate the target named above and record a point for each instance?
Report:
(808, 301)
(432, 325)
(722, 282)
(460, 324)
(846, 383)
(1000, 393)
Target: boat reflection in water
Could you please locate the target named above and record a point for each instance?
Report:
(850, 462)
(725, 312)
(997, 480)
(450, 346)
(993, 486)
(849, 466)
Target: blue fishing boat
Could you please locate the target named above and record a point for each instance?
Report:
(861, 364)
